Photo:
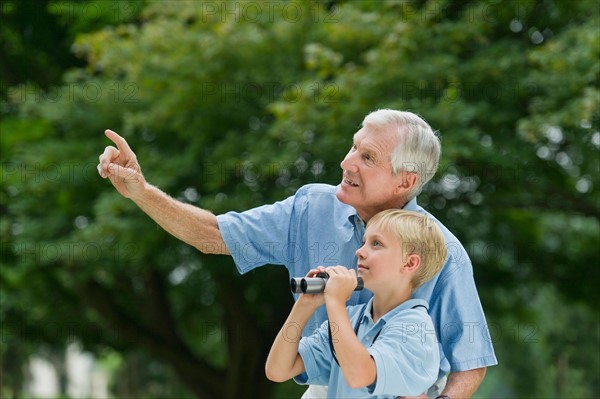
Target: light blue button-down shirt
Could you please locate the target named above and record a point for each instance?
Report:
(402, 343)
(314, 228)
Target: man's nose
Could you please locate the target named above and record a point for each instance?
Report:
(348, 163)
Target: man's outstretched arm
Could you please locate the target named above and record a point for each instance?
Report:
(192, 225)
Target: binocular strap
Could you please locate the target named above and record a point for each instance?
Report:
(356, 327)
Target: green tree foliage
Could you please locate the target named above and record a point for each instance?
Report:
(36, 35)
(233, 105)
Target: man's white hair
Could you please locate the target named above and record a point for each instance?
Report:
(418, 149)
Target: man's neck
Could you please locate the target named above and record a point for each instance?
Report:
(366, 215)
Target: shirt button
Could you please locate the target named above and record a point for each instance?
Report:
(368, 337)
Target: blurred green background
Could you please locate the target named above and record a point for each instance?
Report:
(231, 105)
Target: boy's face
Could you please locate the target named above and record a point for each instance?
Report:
(380, 257)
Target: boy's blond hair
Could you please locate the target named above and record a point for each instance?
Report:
(418, 234)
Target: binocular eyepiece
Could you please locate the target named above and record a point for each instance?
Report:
(315, 285)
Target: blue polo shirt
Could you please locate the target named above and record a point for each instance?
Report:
(402, 343)
(313, 228)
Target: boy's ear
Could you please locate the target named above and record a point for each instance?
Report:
(412, 263)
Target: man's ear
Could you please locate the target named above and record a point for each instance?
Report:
(407, 180)
(412, 263)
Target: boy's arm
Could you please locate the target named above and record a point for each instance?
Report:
(355, 361)
(284, 361)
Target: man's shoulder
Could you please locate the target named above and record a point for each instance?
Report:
(458, 263)
(448, 235)
(326, 190)
(318, 194)
(322, 199)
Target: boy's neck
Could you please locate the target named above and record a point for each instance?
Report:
(384, 302)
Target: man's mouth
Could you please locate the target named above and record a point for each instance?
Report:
(350, 182)
(363, 267)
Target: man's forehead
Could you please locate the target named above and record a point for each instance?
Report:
(378, 137)
(362, 133)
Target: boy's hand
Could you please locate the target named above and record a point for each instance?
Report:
(341, 283)
(312, 300)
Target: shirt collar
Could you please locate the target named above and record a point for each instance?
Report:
(353, 214)
(351, 218)
(412, 205)
(350, 214)
(356, 220)
(402, 307)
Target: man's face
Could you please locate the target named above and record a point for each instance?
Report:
(367, 181)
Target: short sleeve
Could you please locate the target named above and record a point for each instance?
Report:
(316, 355)
(456, 311)
(456, 308)
(258, 236)
(406, 356)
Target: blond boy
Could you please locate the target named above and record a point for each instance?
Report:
(385, 347)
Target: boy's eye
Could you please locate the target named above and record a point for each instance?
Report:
(377, 243)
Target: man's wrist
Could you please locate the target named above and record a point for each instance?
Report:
(142, 195)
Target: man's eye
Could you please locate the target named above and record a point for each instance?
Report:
(368, 158)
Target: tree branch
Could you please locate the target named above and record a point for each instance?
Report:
(202, 378)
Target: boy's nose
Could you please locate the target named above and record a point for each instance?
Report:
(360, 253)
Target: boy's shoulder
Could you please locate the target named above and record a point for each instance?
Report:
(412, 310)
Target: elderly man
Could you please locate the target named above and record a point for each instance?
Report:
(393, 156)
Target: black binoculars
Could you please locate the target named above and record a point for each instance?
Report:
(316, 285)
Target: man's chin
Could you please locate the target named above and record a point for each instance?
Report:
(341, 195)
